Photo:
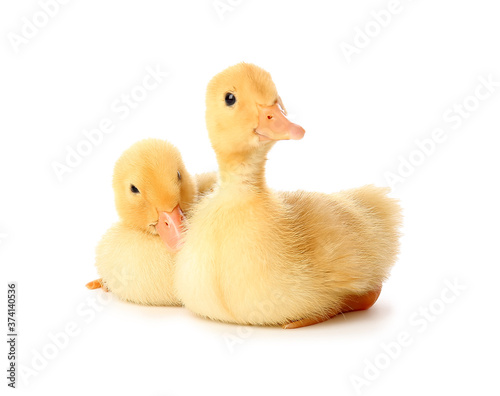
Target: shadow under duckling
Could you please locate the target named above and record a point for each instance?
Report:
(255, 256)
(135, 258)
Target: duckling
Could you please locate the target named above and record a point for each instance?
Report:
(153, 190)
(253, 256)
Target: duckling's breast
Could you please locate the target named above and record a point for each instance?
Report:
(246, 260)
(136, 266)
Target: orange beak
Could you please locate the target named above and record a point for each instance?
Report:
(273, 125)
(170, 228)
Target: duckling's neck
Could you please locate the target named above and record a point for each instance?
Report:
(243, 169)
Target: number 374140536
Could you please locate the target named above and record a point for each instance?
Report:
(11, 307)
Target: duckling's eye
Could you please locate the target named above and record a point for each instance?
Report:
(134, 189)
(230, 99)
(179, 176)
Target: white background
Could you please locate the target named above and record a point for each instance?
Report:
(361, 118)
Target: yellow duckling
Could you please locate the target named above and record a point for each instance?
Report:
(254, 256)
(135, 258)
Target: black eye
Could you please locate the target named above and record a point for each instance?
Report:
(230, 99)
(179, 175)
(134, 189)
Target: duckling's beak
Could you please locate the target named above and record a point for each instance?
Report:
(273, 125)
(170, 228)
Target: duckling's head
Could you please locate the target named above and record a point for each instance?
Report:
(152, 189)
(245, 114)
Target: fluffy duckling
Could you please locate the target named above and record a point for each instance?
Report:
(254, 256)
(135, 258)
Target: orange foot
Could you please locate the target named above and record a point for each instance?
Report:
(97, 284)
(350, 303)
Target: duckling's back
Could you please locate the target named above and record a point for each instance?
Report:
(355, 234)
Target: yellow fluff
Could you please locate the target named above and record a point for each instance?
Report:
(254, 256)
(131, 258)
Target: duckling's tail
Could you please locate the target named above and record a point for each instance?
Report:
(383, 208)
(382, 220)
